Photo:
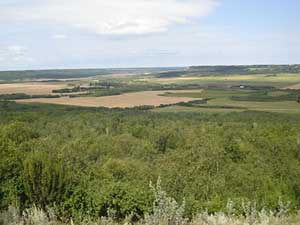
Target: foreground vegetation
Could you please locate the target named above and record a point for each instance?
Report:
(88, 163)
(165, 211)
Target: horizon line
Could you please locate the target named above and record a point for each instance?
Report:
(148, 67)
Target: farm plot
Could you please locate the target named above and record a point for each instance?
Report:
(293, 87)
(276, 80)
(153, 98)
(31, 88)
(221, 101)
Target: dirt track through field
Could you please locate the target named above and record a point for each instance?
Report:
(121, 101)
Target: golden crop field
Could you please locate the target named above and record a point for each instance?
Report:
(282, 78)
(31, 88)
(293, 87)
(153, 98)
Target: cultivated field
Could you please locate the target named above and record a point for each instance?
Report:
(32, 88)
(271, 92)
(281, 106)
(222, 101)
(277, 80)
(153, 98)
(293, 87)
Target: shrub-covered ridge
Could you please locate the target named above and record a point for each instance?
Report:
(88, 162)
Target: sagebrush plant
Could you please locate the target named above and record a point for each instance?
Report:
(166, 211)
(35, 216)
(10, 216)
(31, 216)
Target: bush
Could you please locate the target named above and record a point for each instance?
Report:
(45, 179)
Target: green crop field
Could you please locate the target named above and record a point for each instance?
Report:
(223, 100)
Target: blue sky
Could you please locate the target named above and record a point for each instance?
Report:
(42, 34)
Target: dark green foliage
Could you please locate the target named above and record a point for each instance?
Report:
(252, 87)
(17, 96)
(14, 145)
(271, 70)
(99, 161)
(52, 74)
(264, 96)
(70, 90)
(45, 179)
(120, 88)
(172, 74)
(252, 69)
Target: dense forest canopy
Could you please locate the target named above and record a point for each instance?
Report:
(87, 161)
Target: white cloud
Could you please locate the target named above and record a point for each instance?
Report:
(154, 53)
(59, 36)
(115, 17)
(14, 53)
(17, 50)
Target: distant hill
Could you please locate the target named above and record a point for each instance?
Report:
(159, 71)
(73, 73)
(251, 69)
(223, 70)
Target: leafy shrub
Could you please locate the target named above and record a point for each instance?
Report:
(45, 179)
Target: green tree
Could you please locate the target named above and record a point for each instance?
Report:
(45, 179)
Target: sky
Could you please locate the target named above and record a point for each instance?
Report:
(57, 34)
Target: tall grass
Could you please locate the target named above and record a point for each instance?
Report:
(166, 211)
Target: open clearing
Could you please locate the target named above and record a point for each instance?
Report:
(153, 98)
(282, 106)
(32, 88)
(293, 87)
